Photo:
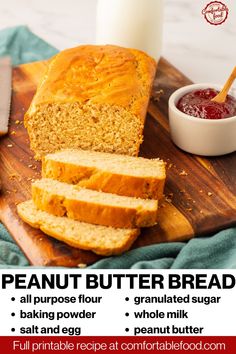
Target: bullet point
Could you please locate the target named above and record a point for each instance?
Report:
(13, 314)
(126, 299)
(12, 299)
(127, 330)
(127, 314)
(13, 329)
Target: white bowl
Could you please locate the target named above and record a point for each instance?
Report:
(207, 137)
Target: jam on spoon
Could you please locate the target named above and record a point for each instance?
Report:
(198, 103)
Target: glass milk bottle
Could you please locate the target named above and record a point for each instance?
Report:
(131, 23)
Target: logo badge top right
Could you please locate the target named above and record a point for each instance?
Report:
(215, 13)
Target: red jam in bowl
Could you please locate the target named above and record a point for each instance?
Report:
(198, 104)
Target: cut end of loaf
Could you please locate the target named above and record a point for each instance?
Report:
(111, 173)
(107, 128)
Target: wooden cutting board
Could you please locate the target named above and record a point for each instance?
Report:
(200, 192)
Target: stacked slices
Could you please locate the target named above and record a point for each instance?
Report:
(95, 201)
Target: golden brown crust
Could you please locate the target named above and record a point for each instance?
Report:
(108, 182)
(99, 74)
(92, 212)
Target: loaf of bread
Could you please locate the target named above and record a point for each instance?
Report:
(111, 173)
(93, 98)
(62, 199)
(99, 239)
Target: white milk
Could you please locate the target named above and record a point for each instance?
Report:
(131, 23)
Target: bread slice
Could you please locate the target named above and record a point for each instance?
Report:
(62, 199)
(92, 97)
(111, 173)
(102, 240)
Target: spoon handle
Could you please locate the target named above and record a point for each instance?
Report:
(221, 97)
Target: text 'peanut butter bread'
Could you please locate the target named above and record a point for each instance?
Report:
(111, 173)
(94, 98)
(62, 199)
(99, 239)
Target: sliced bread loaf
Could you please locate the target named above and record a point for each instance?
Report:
(99, 239)
(111, 173)
(92, 97)
(62, 199)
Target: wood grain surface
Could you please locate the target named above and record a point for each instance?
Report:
(200, 193)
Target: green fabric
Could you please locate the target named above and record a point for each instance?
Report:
(10, 254)
(214, 252)
(23, 46)
(218, 251)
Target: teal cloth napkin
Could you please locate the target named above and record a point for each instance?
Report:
(23, 46)
(218, 251)
(10, 254)
(214, 252)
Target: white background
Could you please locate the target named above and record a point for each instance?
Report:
(201, 51)
(217, 319)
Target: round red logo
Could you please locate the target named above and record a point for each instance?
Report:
(215, 13)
